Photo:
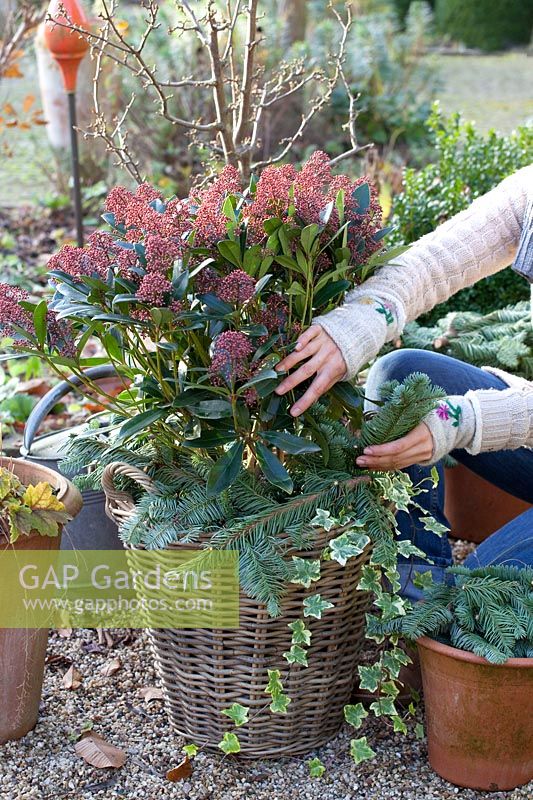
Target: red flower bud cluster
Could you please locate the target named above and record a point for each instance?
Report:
(160, 252)
(10, 311)
(231, 353)
(237, 287)
(154, 289)
(210, 222)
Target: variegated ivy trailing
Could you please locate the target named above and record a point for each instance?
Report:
(194, 301)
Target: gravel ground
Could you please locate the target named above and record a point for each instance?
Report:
(44, 765)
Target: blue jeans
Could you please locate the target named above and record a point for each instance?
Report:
(510, 470)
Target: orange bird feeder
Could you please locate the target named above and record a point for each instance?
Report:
(69, 47)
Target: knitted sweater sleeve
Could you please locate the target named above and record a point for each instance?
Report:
(481, 421)
(476, 243)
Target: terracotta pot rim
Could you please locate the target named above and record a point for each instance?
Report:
(54, 478)
(463, 655)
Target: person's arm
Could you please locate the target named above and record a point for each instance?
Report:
(476, 243)
(481, 421)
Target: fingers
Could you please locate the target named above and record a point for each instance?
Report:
(305, 371)
(321, 384)
(414, 448)
(298, 355)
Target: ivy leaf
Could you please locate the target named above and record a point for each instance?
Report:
(435, 476)
(370, 580)
(432, 525)
(384, 706)
(300, 634)
(348, 545)
(323, 519)
(316, 768)
(225, 471)
(229, 743)
(279, 703)
(190, 750)
(419, 730)
(274, 684)
(369, 677)
(394, 659)
(237, 713)
(360, 750)
(296, 655)
(423, 580)
(306, 570)
(315, 606)
(391, 605)
(408, 549)
(354, 715)
(399, 725)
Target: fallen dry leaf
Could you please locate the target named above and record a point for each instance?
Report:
(99, 753)
(181, 772)
(35, 386)
(72, 679)
(64, 633)
(151, 693)
(110, 667)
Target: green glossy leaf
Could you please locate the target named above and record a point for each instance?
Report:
(39, 321)
(264, 375)
(142, 421)
(273, 469)
(211, 409)
(190, 750)
(330, 291)
(288, 442)
(225, 471)
(209, 439)
(230, 251)
(361, 195)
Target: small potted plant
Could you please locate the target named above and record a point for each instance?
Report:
(475, 640)
(194, 302)
(35, 503)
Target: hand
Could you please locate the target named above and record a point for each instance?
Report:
(417, 446)
(325, 361)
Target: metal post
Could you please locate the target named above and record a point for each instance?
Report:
(75, 167)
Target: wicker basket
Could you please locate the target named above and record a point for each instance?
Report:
(204, 671)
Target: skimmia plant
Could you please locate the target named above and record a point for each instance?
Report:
(195, 301)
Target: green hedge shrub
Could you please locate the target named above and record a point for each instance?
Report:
(467, 165)
(487, 24)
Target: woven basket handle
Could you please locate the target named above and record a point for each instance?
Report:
(118, 505)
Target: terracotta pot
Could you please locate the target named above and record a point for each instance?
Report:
(22, 652)
(479, 717)
(476, 508)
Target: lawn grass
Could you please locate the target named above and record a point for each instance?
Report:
(493, 90)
